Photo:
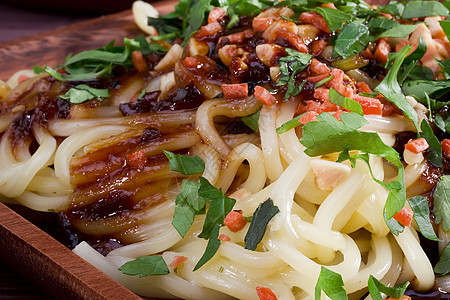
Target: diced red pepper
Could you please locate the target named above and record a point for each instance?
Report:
(318, 67)
(367, 54)
(416, 146)
(235, 90)
(382, 51)
(308, 117)
(224, 238)
(137, 160)
(265, 293)
(330, 5)
(446, 148)
(139, 62)
(191, 62)
(216, 14)
(404, 216)
(178, 260)
(264, 96)
(235, 221)
(370, 106)
(208, 30)
(363, 87)
(315, 19)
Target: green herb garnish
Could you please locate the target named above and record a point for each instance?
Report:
(145, 266)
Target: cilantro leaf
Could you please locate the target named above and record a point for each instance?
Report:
(446, 27)
(328, 135)
(378, 25)
(252, 121)
(352, 39)
(443, 122)
(391, 90)
(435, 155)
(331, 283)
(38, 69)
(335, 18)
(442, 202)
(394, 8)
(219, 206)
(445, 65)
(419, 206)
(183, 215)
(261, 217)
(376, 287)
(399, 31)
(185, 164)
(345, 102)
(419, 9)
(443, 265)
(211, 248)
(83, 92)
(290, 66)
(421, 88)
(145, 266)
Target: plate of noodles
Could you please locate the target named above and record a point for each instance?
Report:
(249, 150)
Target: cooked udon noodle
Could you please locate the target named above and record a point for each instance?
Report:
(101, 165)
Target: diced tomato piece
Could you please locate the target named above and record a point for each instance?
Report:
(312, 105)
(224, 238)
(404, 216)
(363, 87)
(137, 160)
(382, 51)
(322, 93)
(22, 77)
(265, 293)
(209, 30)
(367, 54)
(308, 117)
(327, 106)
(337, 115)
(318, 67)
(315, 19)
(344, 91)
(216, 14)
(178, 260)
(446, 147)
(317, 47)
(294, 40)
(330, 5)
(264, 96)
(235, 221)
(316, 79)
(416, 146)
(139, 62)
(235, 90)
(338, 79)
(370, 106)
(238, 37)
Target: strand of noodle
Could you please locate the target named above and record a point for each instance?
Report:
(413, 173)
(68, 127)
(378, 264)
(291, 146)
(204, 120)
(22, 152)
(142, 286)
(12, 184)
(115, 223)
(340, 197)
(294, 278)
(397, 259)
(309, 192)
(5, 120)
(250, 204)
(351, 262)
(387, 124)
(76, 141)
(6, 153)
(269, 142)
(327, 238)
(417, 259)
(283, 196)
(212, 162)
(257, 175)
(372, 211)
(156, 244)
(356, 222)
(43, 203)
(253, 259)
(49, 185)
(151, 286)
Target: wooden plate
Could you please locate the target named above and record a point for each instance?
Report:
(33, 253)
